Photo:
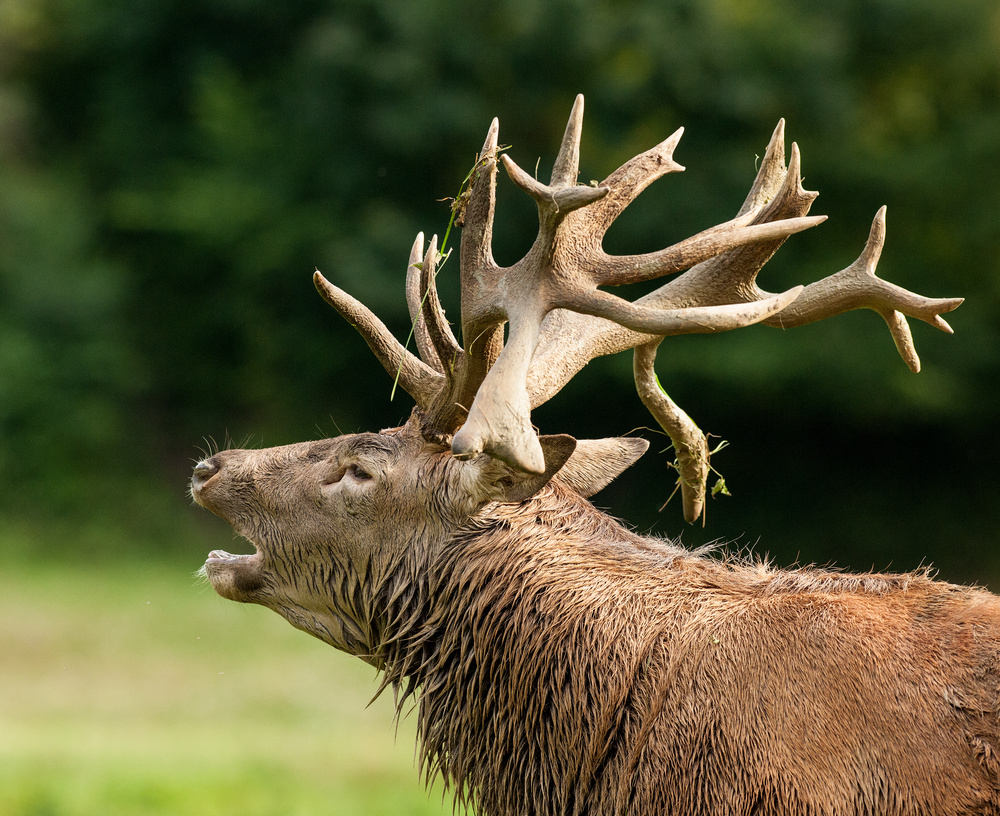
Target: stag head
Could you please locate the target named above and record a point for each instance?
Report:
(343, 526)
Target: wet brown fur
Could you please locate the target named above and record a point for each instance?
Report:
(562, 664)
(569, 666)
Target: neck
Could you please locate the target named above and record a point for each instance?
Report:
(522, 615)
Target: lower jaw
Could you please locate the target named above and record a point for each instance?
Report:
(234, 577)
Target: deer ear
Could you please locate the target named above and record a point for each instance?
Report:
(504, 484)
(595, 463)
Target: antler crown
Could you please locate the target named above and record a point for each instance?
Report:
(480, 396)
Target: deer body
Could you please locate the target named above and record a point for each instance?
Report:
(567, 665)
(562, 664)
(610, 674)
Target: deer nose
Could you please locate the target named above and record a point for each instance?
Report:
(204, 471)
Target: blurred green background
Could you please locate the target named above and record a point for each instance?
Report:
(171, 172)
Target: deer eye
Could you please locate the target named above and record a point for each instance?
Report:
(359, 473)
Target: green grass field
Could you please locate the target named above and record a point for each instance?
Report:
(139, 691)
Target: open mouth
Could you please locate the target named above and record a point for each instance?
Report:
(236, 577)
(221, 557)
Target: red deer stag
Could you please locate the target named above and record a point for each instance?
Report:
(561, 663)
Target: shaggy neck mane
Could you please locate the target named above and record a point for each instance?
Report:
(541, 663)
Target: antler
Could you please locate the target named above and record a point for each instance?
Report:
(569, 341)
(559, 319)
(563, 270)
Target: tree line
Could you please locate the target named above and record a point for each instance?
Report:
(171, 172)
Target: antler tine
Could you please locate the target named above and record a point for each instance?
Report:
(567, 164)
(482, 322)
(435, 341)
(416, 295)
(554, 202)
(690, 444)
(689, 320)
(731, 276)
(438, 327)
(772, 173)
(561, 195)
(625, 184)
(858, 287)
(610, 270)
(418, 379)
(477, 221)
(499, 420)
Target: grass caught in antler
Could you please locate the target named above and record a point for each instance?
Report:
(457, 208)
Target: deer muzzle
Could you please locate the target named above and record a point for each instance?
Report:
(236, 577)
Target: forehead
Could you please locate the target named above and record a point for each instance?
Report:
(363, 444)
(373, 444)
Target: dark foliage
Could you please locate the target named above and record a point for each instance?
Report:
(171, 172)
